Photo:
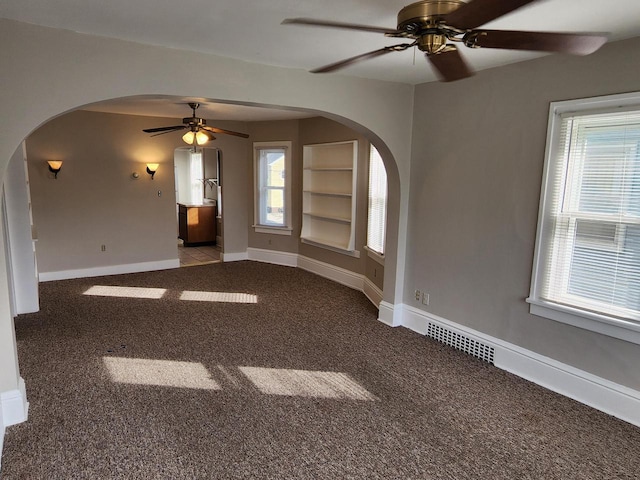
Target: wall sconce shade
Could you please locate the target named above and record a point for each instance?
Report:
(151, 169)
(54, 167)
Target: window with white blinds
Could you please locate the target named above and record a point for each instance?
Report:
(377, 218)
(588, 246)
(272, 167)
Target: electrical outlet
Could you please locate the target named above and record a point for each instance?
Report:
(103, 248)
(418, 293)
(425, 298)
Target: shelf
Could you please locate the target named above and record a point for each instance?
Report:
(328, 202)
(335, 247)
(329, 169)
(332, 194)
(332, 218)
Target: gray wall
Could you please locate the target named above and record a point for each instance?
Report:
(478, 151)
(311, 131)
(270, 132)
(95, 201)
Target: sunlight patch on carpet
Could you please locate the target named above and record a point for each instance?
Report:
(223, 297)
(305, 383)
(126, 292)
(163, 373)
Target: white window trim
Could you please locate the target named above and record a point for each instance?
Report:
(606, 325)
(377, 256)
(257, 226)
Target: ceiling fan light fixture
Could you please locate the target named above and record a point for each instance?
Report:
(189, 137)
(201, 137)
(197, 138)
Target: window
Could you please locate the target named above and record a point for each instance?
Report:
(587, 263)
(196, 173)
(377, 218)
(273, 187)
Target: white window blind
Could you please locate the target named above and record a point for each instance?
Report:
(271, 178)
(376, 226)
(591, 249)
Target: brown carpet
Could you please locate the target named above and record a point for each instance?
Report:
(305, 383)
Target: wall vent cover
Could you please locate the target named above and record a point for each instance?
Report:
(461, 342)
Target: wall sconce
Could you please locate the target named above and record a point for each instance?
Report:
(199, 137)
(151, 169)
(54, 167)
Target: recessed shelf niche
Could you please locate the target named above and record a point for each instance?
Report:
(329, 194)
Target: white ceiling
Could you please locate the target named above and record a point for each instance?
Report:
(177, 107)
(251, 30)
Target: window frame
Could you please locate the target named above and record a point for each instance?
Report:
(579, 317)
(259, 201)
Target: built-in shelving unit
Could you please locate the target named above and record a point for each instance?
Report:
(328, 195)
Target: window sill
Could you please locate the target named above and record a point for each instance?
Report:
(375, 255)
(273, 230)
(612, 327)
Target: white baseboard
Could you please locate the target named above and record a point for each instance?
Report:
(14, 409)
(390, 314)
(273, 256)
(109, 270)
(337, 274)
(234, 257)
(340, 275)
(14, 405)
(609, 397)
(372, 291)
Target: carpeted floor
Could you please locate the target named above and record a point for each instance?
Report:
(291, 377)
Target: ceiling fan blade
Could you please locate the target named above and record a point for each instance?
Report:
(162, 129)
(363, 56)
(450, 65)
(165, 132)
(221, 130)
(348, 26)
(575, 43)
(479, 12)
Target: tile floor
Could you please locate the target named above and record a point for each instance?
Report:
(198, 255)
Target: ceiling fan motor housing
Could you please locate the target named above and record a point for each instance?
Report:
(423, 20)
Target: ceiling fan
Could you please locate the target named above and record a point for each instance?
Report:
(432, 24)
(199, 132)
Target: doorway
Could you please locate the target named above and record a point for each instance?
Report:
(198, 205)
